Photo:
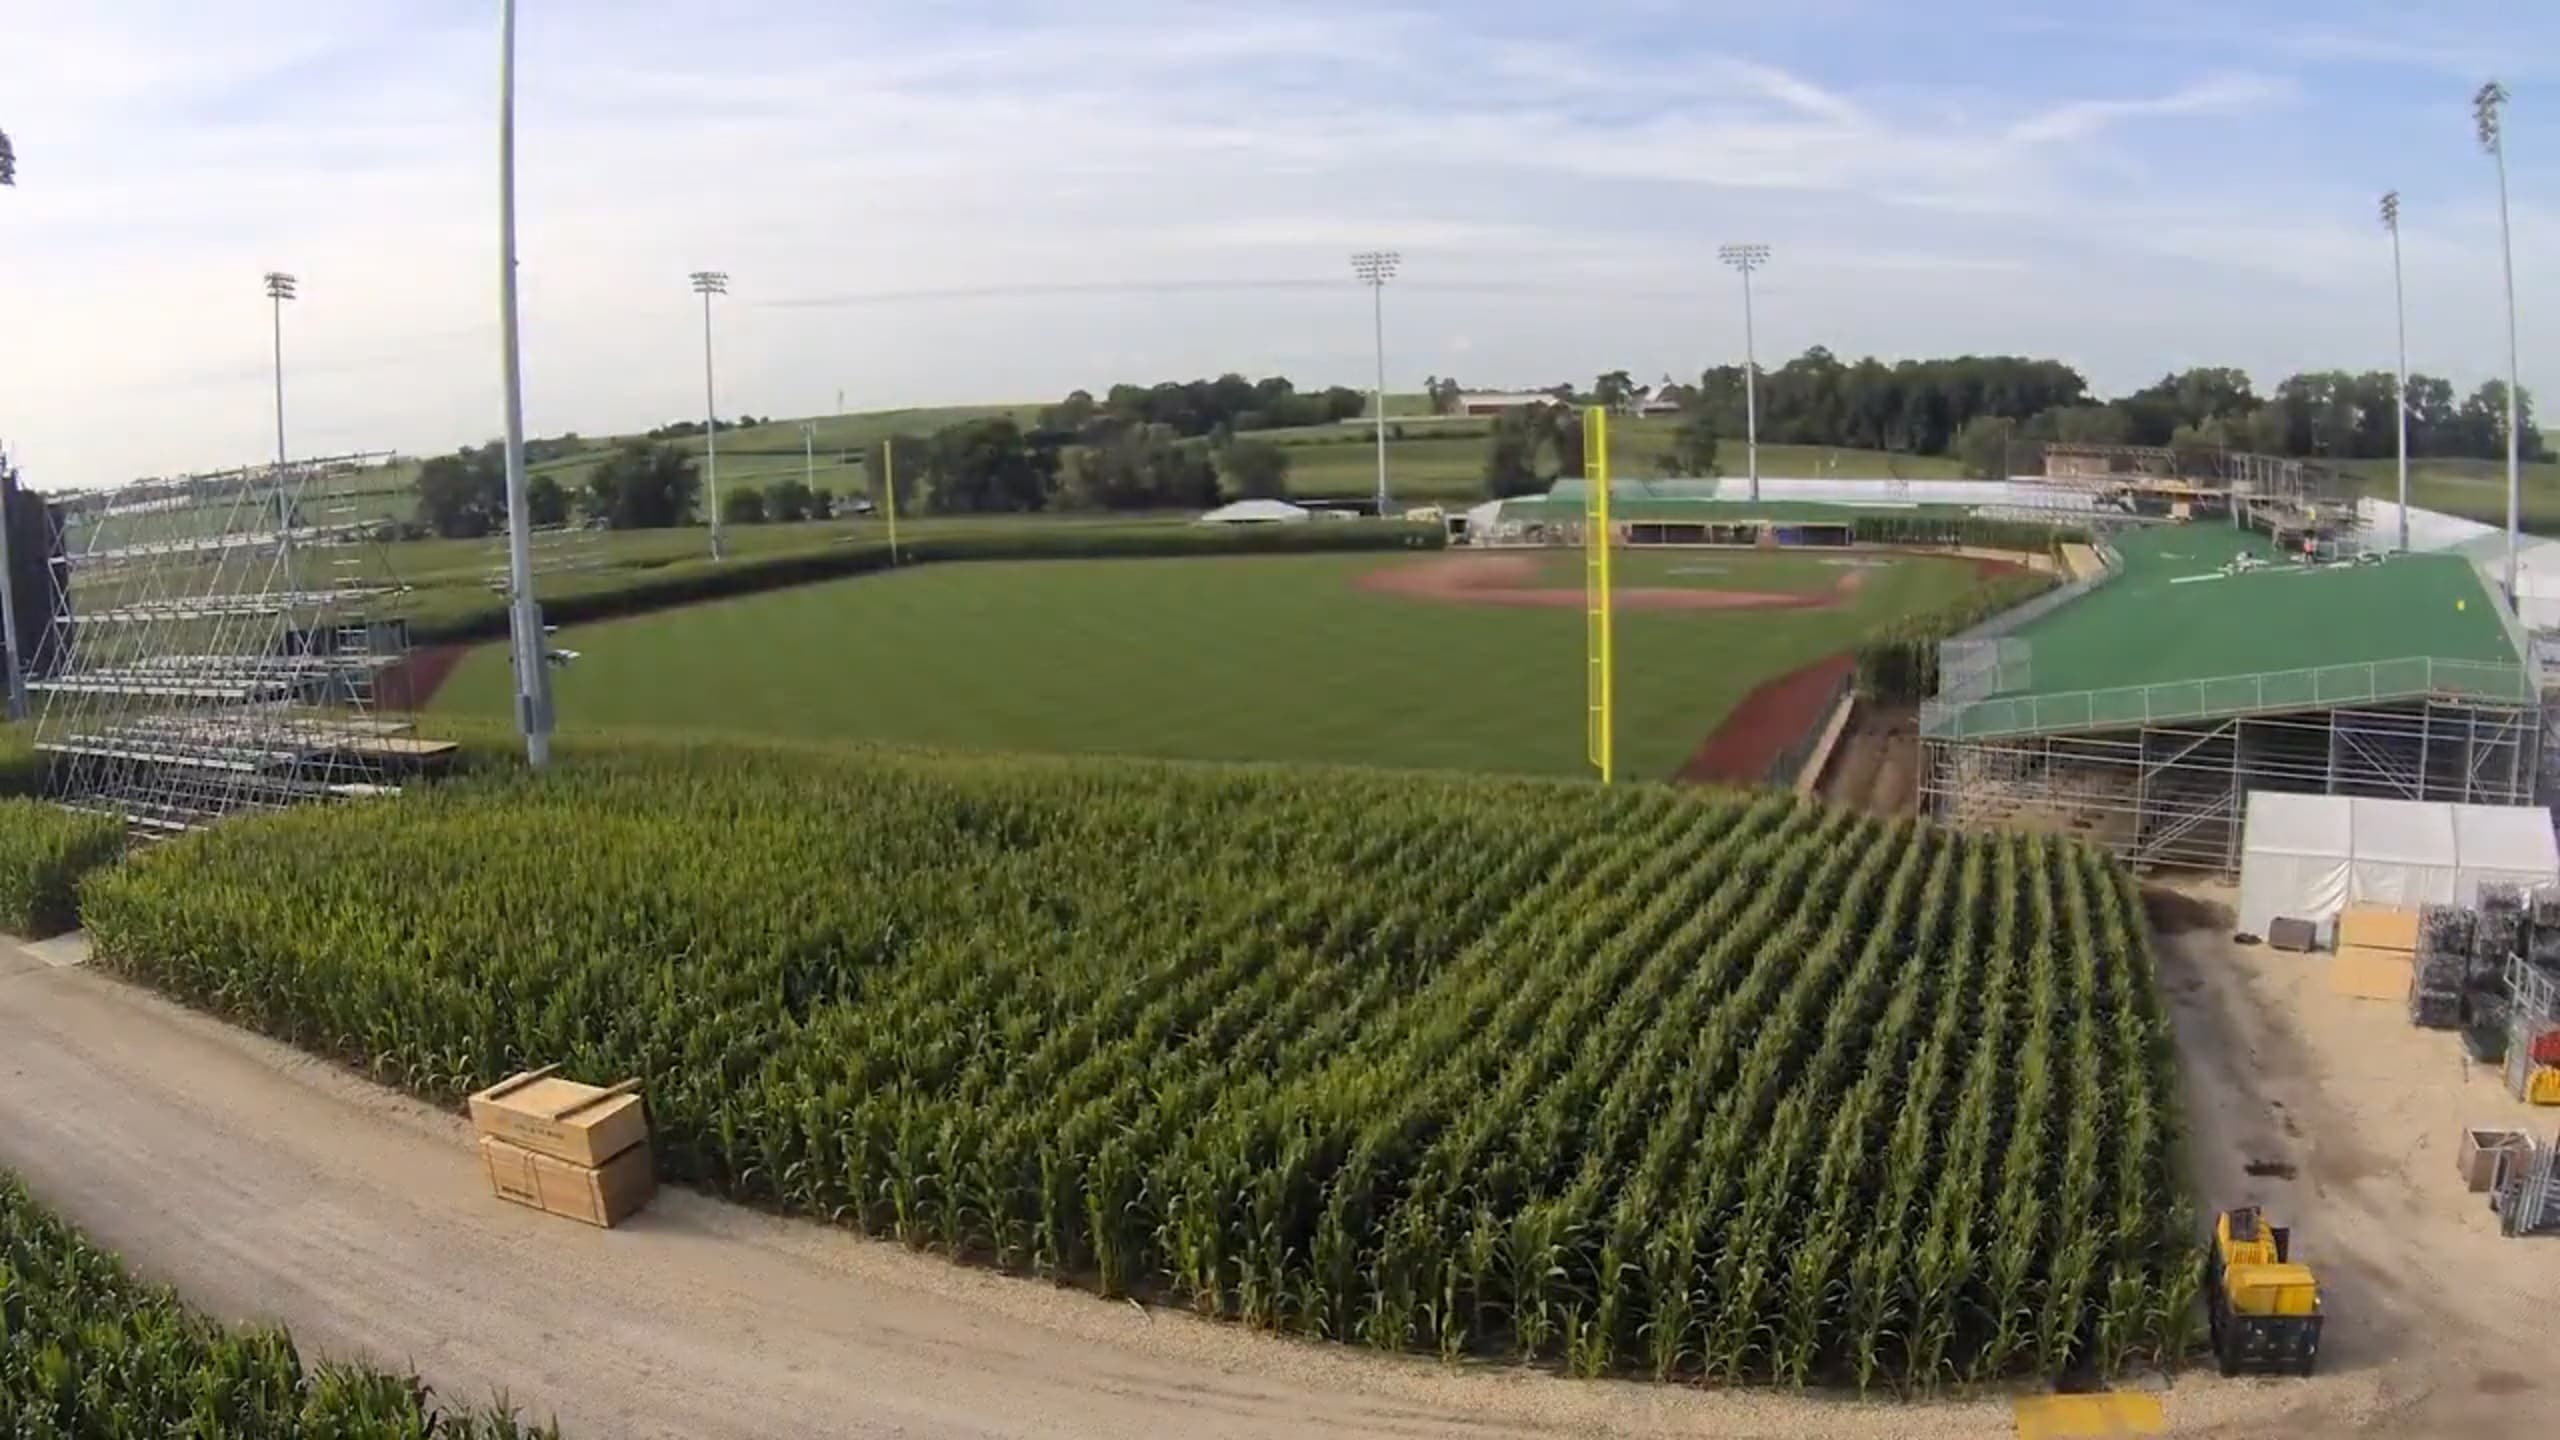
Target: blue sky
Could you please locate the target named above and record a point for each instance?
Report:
(2131, 188)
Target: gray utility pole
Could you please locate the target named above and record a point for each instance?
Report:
(1747, 258)
(8, 569)
(809, 455)
(524, 617)
(708, 283)
(1374, 269)
(2486, 107)
(2400, 320)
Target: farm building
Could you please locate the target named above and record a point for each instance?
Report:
(2140, 705)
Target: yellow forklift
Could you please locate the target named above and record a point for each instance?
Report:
(2264, 1308)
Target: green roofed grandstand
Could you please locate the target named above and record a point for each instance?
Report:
(2140, 706)
(2206, 620)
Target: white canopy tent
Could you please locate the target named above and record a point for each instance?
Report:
(2307, 857)
(1257, 512)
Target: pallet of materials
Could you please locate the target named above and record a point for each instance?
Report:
(2378, 927)
(580, 1151)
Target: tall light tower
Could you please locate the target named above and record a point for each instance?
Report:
(2486, 109)
(2400, 322)
(1374, 269)
(524, 617)
(1747, 258)
(708, 283)
(279, 290)
(17, 688)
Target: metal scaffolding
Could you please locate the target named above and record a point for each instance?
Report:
(2175, 793)
(215, 644)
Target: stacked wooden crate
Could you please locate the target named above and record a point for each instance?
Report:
(569, 1149)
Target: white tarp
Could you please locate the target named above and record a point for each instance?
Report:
(2307, 857)
(1256, 512)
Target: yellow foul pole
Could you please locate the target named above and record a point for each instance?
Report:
(1599, 635)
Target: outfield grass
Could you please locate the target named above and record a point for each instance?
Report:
(1264, 658)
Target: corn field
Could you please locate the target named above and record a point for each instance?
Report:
(1707, 1086)
(87, 1351)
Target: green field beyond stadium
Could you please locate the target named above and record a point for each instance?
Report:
(2182, 632)
(1280, 658)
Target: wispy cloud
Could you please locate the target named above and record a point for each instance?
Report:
(2216, 95)
(1006, 198)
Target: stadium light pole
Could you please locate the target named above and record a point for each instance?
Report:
(1747, 258)
(8, 566)
(2400, 323)
(2486, 108)
(1374, 269)
(708, 283)
(280, 287)
(524, 616)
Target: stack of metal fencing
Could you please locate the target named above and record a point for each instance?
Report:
(2443, 965)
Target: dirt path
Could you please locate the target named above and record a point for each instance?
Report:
(1513, 581)
(2437, 1326)
(1876, 766)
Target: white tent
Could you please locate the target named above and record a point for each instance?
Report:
(1256, 512)
(2307, 857)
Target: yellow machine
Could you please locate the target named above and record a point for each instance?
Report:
(2264, 1308)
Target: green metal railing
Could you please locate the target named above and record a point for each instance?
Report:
(2126, 706)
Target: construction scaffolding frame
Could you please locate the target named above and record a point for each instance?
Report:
(2174, 792)
(215, 644)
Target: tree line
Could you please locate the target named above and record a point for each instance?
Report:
(1995, 412)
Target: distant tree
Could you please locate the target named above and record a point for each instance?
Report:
(786, 502)
(1693, 446)
(1443, 393)
(910, 455)
(1988, 448)
(643, 486)
(1531, 447)
(1140, 467)
(1510, 462)
(822, 503)
(1072, 414)
(988, 466)
(2094, 425)
(742, 505)
(1564, 440)
(545, 502)
(1254, 470)
(463, 496)
(1614, 391)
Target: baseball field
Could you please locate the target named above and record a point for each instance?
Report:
(1470, 661)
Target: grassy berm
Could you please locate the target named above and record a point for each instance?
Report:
(1641, 1080)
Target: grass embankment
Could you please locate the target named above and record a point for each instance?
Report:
(1677, 1083)
(87, 1350)
(1273, 658)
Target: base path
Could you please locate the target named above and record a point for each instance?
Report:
(1514, 580)
(267, 1185)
